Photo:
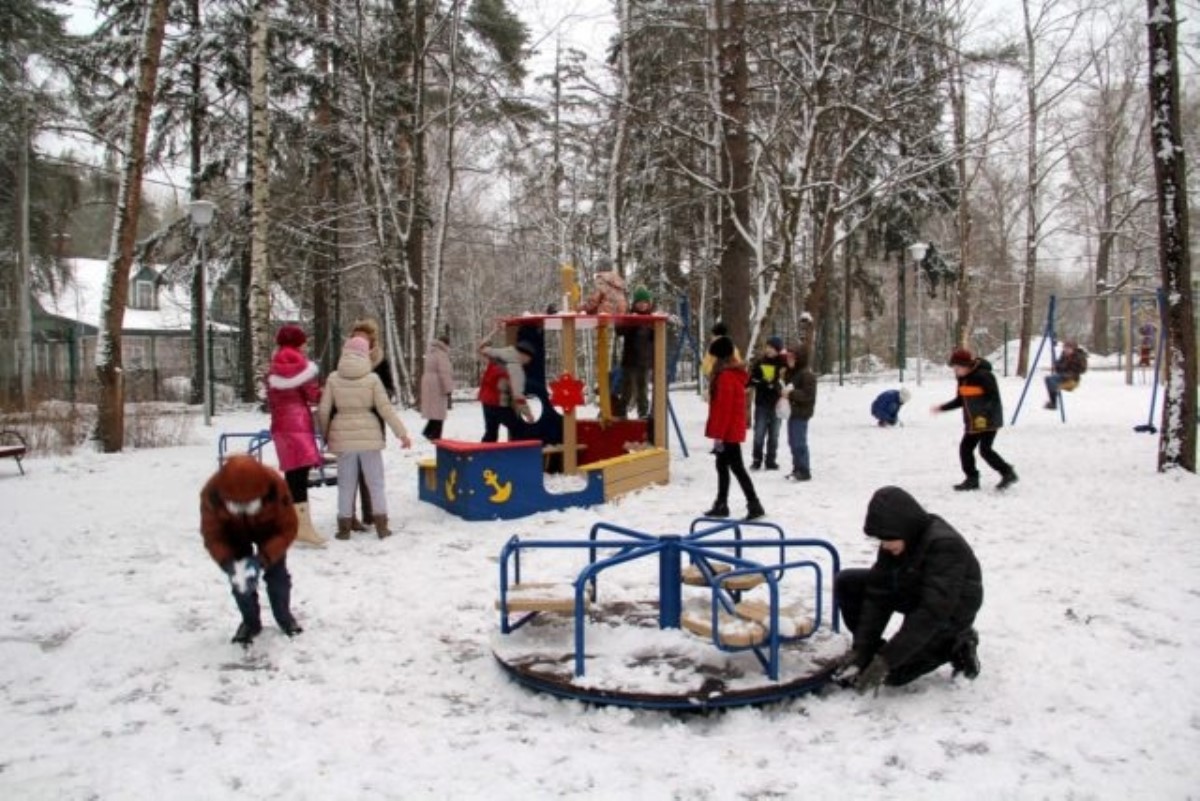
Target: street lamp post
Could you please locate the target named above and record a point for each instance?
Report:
(202, 212)
(917, 251)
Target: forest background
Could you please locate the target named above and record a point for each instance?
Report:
(433, 163)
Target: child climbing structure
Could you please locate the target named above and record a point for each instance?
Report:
(483, 481)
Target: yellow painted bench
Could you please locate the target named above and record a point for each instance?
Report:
(543, 597)
(632, 471)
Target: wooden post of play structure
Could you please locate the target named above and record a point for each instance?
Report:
(603, 366)
(570, 440)
(659, 411)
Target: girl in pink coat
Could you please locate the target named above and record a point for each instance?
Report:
(291, 389)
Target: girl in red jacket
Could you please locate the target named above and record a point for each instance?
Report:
(291, 389)
(727, 426)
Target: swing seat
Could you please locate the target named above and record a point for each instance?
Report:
(1069, 384)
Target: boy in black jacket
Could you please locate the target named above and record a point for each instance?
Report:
(766, 379)
(983, 414)
(925, 571)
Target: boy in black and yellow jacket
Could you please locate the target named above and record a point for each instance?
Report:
(983, 414)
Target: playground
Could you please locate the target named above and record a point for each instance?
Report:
(118, 679)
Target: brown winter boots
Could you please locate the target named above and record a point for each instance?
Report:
(345, 526)
(381, 526)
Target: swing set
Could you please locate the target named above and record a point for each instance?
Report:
(1148, 332)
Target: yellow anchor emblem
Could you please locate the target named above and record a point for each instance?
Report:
(451, 481)
(502, 491)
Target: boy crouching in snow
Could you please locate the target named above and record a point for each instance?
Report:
(925, 571)
(249, 521)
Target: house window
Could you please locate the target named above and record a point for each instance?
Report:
(135, 354)
(143, 295)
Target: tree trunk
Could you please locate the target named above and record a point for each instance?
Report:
(24, 256)
(260, 200)
(195, 145)
(616, 165)
(110, 421)
(437, 263)
(1177, 444)
(1033, 208)
(736, 253)
(323, 258)
(962, 294)
(409, 294)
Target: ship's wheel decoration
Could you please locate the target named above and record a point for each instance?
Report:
(566, 392)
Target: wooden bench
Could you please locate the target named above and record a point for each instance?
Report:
(748, 625)
(543, 597)
(693, 576)
(631, 471)
(735, 632)
(13, 446)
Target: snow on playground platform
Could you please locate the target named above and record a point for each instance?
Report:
(632, 662)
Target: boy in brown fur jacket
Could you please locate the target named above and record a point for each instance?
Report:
(248, 522)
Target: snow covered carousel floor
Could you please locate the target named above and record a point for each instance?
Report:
(631, 662)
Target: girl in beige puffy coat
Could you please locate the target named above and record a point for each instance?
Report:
(354, 408)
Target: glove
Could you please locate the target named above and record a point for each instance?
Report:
(524, 410)
(718, 446)
(838, 663)
(244, 575)
(449, 401)
(872, 676)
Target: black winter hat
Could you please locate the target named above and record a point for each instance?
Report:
(893, 514)
(527, 348)
(721, 347)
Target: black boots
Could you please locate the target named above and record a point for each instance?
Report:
(754, 510)
(965, 656)
(246, 632)
(719, 509)
(969, 483)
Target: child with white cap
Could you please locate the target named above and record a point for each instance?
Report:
(886, 406)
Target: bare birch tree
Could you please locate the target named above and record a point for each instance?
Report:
(1111, 168)
(1049, 30)
(259, 300)
(1177, 443)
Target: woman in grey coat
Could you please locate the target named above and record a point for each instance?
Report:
(437, 382)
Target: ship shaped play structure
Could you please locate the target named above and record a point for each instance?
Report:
(607, 456)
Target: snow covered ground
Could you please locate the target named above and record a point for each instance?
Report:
(118, 681)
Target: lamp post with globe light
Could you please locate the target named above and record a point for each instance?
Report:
(202, 212)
